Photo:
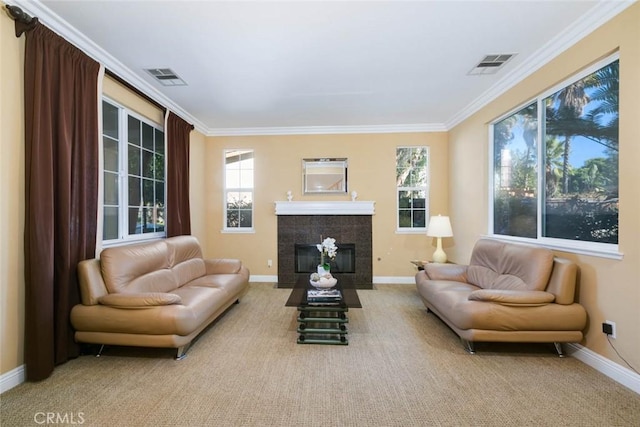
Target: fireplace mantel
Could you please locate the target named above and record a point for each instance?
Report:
(325, 208)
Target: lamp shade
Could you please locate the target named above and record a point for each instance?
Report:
(439, 226)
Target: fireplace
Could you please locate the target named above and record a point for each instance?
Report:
(306, 230)
(307, 258)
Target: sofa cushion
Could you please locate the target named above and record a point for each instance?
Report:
(511, 297)
(186, 259)
(231, 284)
(223, 266)
(137, 268)
(141, 300)
(188, 271)
(454, 272)
(499, 265)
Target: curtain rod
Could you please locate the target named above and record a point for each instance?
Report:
(19, 15)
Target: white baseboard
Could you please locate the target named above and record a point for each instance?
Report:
(616, 372)
(393, 280)
(263, 278)
(10, 379)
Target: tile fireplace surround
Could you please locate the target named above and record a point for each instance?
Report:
(305, 222)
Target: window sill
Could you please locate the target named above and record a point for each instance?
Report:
(599, 250)
(238, 231)
(422, 231)
(123, 242)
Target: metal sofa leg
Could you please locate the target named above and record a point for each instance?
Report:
(559, 349)
(468, 346)
(99, 353)
(182, 352)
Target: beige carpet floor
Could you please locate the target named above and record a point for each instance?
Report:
(402, 367)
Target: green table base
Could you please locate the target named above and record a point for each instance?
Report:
(323, 325)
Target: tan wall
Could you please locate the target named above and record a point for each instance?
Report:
(11, 197)
(278, 168)
(197, 186)
(609, 289)
(117, 92)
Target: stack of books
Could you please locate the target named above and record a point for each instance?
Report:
(324, 296)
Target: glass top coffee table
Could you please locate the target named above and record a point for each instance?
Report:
(325, 321)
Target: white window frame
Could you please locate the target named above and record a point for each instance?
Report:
(425, 188)
(603, 250)
(225, 191)
(123, 178)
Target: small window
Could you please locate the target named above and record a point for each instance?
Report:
(133, 176)
(412, 186)
(238, 183)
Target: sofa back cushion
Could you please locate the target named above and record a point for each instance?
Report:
(138, 268)
(500, 265)
(186, 259)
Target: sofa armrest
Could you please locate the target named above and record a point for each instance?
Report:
(452, 272)
(512, 297)
(139, 300)
(223, 266)
(91, 282)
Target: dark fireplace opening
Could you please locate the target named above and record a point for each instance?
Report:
(307, 258)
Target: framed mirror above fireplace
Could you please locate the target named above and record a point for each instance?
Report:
(324, 175)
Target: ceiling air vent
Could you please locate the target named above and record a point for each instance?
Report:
(490, 64)
(166, 76)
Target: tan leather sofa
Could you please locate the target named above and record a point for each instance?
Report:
(508, 293)
(157, 294)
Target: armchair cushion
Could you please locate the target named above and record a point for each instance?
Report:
(511, 297)
(139, 300)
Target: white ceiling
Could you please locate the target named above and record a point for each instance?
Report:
(302, 66)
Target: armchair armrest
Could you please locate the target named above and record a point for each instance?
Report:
(512, 297)
(453, 272)
(222, 266)
(139, 300)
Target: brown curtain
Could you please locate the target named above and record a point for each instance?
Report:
(178, 212)
(61, 155)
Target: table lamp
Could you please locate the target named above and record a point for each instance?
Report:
(439, 227)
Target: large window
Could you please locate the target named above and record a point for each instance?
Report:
(238, 184)
(563, 192)
(134, 176)
(412, 173)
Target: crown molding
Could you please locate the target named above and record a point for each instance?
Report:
(323, 130)
(596, 17)
(82, 42)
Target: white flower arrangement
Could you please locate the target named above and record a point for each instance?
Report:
(328, 249)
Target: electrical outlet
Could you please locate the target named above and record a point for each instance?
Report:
(269, 263)
(609, 328)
